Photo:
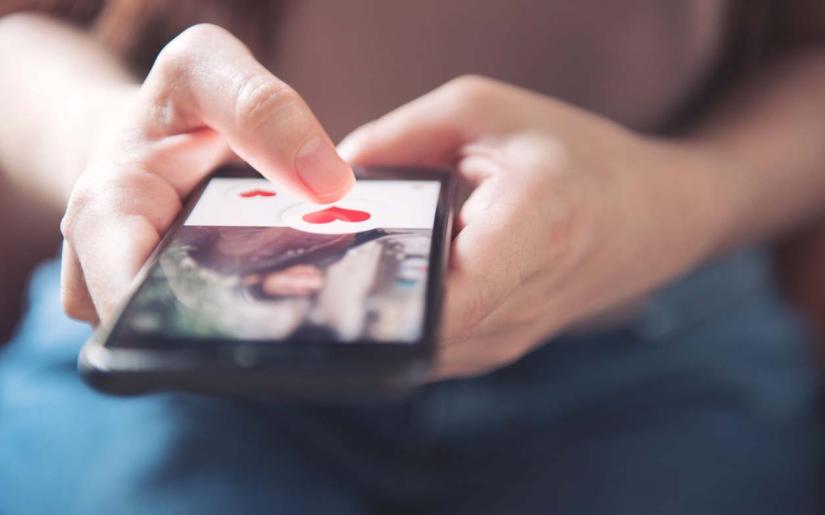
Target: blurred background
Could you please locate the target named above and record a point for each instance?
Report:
(29, 234)
(654, 66)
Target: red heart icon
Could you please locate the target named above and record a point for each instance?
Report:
(333, 213)
(257, 193)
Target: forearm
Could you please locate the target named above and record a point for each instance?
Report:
(59, 90)
(766, 151)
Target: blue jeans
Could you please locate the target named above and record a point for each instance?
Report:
(702, 403)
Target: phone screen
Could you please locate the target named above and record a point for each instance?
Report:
(253, 262)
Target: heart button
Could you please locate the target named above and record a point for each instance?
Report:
(333, 213)
(257, 193)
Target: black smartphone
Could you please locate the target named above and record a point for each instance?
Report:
(256, 291)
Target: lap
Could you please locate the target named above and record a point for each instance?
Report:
(705, 403)
(67, 449)
(685, 410)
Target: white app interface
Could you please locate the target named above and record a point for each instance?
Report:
(386, 204)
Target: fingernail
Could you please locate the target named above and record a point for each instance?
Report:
(323, 172)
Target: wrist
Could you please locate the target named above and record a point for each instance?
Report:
(723, 191)
(694, 201)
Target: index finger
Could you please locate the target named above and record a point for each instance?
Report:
(207, 77)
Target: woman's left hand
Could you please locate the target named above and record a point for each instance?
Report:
(568, 214)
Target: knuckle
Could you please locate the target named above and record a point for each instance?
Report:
(469, 81)
(201, 33)
(178, 56)
(259, 97)
(470, 90)
(66, 224)
(79, 202)
(194, 38)
(173, 60)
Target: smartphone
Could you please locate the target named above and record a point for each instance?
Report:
(255, 290)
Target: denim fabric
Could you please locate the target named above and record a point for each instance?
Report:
(701, 403)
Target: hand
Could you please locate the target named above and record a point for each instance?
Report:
(204, 98)
(568, 215)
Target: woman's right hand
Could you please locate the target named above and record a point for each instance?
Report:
(205, 97)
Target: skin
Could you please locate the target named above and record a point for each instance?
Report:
(557, 195)
(204, 100)
(568, 214)
(571, 215)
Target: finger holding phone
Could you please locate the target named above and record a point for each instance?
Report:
(130, 240)
(205, 98)
(569, 214)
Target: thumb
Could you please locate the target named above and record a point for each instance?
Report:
(430, 130)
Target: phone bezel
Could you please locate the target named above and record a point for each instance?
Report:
(104, 353)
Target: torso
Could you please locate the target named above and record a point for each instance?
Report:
(635, 61)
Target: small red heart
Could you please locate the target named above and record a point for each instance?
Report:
(257, 193)
(333, 213)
